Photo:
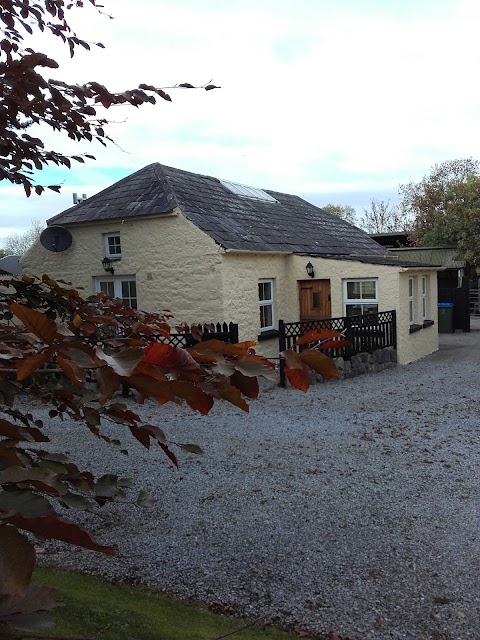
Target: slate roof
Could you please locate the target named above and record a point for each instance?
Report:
(10, 265)
(234, 222)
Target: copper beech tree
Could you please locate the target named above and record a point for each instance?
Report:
(73, 355)
(28, 97)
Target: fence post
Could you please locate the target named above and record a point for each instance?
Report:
(394, 329)
(282, 345)
(347, 323)
(233, 332)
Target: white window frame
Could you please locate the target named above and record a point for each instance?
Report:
(425, 283)
(108, 253)
(411, 300)
(348, 302)
(117, 286)
(267, 303)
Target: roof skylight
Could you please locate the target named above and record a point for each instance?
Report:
(247, 192)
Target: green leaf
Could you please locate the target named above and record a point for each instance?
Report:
(74, 501)
(29, 622)
(123, 363)
(107, 486)
(126, 482)
(156, 432)
(191, 448)
(145, 499)
(25, 503)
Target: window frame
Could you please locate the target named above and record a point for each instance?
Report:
(269, 302)
(349, 302)
(108, 253)
(411, 300)
(425, 282)
(117, 287)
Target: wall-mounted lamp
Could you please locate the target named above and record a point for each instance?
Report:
(107, 265)
(310, 270)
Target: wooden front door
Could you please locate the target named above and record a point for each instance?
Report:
(315, 300)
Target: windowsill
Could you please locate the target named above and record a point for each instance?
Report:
(267, 335)
(415, 327)
(114, 258)
(418, 327)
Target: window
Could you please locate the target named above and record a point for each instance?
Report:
(424, 297)
(124, 287)
(411, 300)
(247, 192)
(113, 248)
(360, 296)
(265, 299)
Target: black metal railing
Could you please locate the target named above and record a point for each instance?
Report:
(208, 331)
(365, 333)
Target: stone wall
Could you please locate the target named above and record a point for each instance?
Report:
(379, 360)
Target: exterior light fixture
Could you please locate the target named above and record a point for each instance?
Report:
(310, 270)
(107, 265)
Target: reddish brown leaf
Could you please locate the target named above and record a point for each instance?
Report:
(217, 346)
(17, 559)
(169, 453)
(36, 598)
(333, 344)
(75, 374)
(35, 321)
(57, 528)
(316, 336)
(296, 371)
(25, 368)
(169, 358)
(108, 382)
(141, 435)
(248, 344)
(121, 414)
(232, 394)
(150, 387)
(247, 385)
(320, 363)
(194, 396)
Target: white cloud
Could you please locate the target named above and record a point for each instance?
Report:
(316, 96)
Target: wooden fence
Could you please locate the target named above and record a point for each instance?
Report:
(366, 334)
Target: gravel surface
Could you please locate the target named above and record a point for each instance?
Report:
(352, 508)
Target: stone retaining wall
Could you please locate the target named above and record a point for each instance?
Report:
(365, 363)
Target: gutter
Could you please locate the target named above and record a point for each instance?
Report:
(426, 268)
(249, 251)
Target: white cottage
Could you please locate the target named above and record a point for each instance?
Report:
(210, 249)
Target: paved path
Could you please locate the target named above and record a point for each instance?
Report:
(459, 346)
(352, 508)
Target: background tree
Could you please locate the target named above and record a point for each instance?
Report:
(446, 207)
(382, 217)
(343, 211)
(28, 97)
(17, 243)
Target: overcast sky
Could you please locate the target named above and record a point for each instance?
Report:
(338, 101)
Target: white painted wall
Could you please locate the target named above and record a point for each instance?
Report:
(178, 267)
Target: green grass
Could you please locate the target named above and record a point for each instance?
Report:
(124, 613)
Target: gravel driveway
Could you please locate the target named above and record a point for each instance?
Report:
(352, 508)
